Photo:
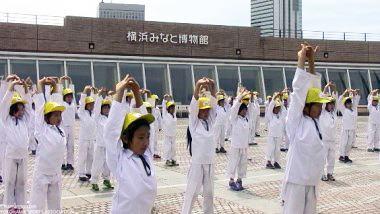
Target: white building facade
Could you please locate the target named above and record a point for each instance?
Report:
(121, 11)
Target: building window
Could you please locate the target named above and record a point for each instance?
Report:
(228, 78)
(24, 69)
(134, 70)
(204, 71)
(3, 69)
(251, 78)
(80, 73)
(273, 79)
(51, 68)
(182, 86)
(339, 77)
(375, 79)
(157, 79)
(359, 80)
(105, 75)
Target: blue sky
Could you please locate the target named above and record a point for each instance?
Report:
(318, 15)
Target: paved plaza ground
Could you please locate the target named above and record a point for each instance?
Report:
(356, 189)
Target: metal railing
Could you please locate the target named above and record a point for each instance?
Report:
(31, 19)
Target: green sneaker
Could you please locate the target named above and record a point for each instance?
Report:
(95, 187)
(107, 184)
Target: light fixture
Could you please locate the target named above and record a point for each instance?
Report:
(326, 55)
(238, 52)
(91, 45)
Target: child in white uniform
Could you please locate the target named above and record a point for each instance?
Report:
(373, 122)
(257, 101)
(202, 166)
(87, 135)
(129, 158)
(348, 107)
(328, 120)
(306, 155)
(156, 125)
(169, 123)
(47, 177)
(269, 99)
(220, 124)
(284, 114)
(275, 125)
(99, 165)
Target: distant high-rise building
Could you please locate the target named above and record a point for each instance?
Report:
(277, 18)
(121, 11)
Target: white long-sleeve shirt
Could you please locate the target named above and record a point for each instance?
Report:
(136, 191)
(374, 112)
(240, 126)
(16, 131)
(101, 121)
(307, 153)
(51, 142)
(87, 121)
(203, 144)
(221, 116)
(169, 121)
(327, 120)
(68, 116)
(275, 121)
(349, 116)
(3, 90)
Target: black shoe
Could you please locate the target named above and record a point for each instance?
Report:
(63, 167)
(324, 178)
(370, 150)
(276, 165)
(252, 144)
(168, 163)
(377, 150)
(341, 159)
(347, 160)
(257, 135)
(83, 178)
(217, 150)
(33, 152)
(239, 185)
(69, 167)
(88, 176)
(174, 163)
(225, 139)
(222, 150)
(1, 179)
(157, 156)
(330, 177)
(283, 150)
(269, 166)
(354, 147)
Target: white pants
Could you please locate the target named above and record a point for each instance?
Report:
(199, 175)
(32, 142)
(273, 149)
(330, 158)
(86, 150)
(169, 148)
(354, 141)
(237, 163)
(252, 133)
(46, 189)
(15, 172)
(220, 132)
(228, 129)
(257, 124)
(155, 142)
(299, 199)
(69, 132)
(346, 142)
(99, 165)
(286, 138)
(373, 136)
(3, 146)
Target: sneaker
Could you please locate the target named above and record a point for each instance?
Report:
(276, 165)
(354, 147)
(174, 163)
(341, 159)
(1, 179)
(252, 144)
(225, 139)
(33, 152)
(168, 163)
(157, 156)
(88, 176)
(69, 167)
(283, 149)
(376, 150)
(233, 185)
(370, 150)
(269, 166)
(347, 160)
(324, 178)
(95, 187)
(217, 150)
(257, 135)
(222, 150)
(239, 185)
(83, 178)
(63, 167)
(107, 184)
(330, 177)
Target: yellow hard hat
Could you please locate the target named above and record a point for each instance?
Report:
(332, 99)
(154, 96)
(277, 103)
(285, 96)
(130, 94)
(89, 99)
(67, 91)
(170, 103)
(375, 98)
(220, 97)
(345, 99)
(269, 97)
(314, 96)
(247, 97)
(204, 103)
(147, 104)
(106, 102)
(255, 93)
(133, 117)
(16, 98)
(53, 106)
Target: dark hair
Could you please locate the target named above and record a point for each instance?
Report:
(47, 116)
(14, 109)
(189, 140)
(130, 131)
(348, 101)
(242, 107)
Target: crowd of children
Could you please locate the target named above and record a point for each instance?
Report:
(119, 137)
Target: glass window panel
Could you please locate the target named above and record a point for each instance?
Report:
(182, 85)
(375, 79)
(105, 75)
(204, 71)
(273, 80)
(51, 68)
(339, 77)
(251, 78)
(80, 73)
(228, 78)
(132, 69)
(289, 76)
(3, 69)
(322, 72)
(359, 80)
(157, 79)
(24, 69)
